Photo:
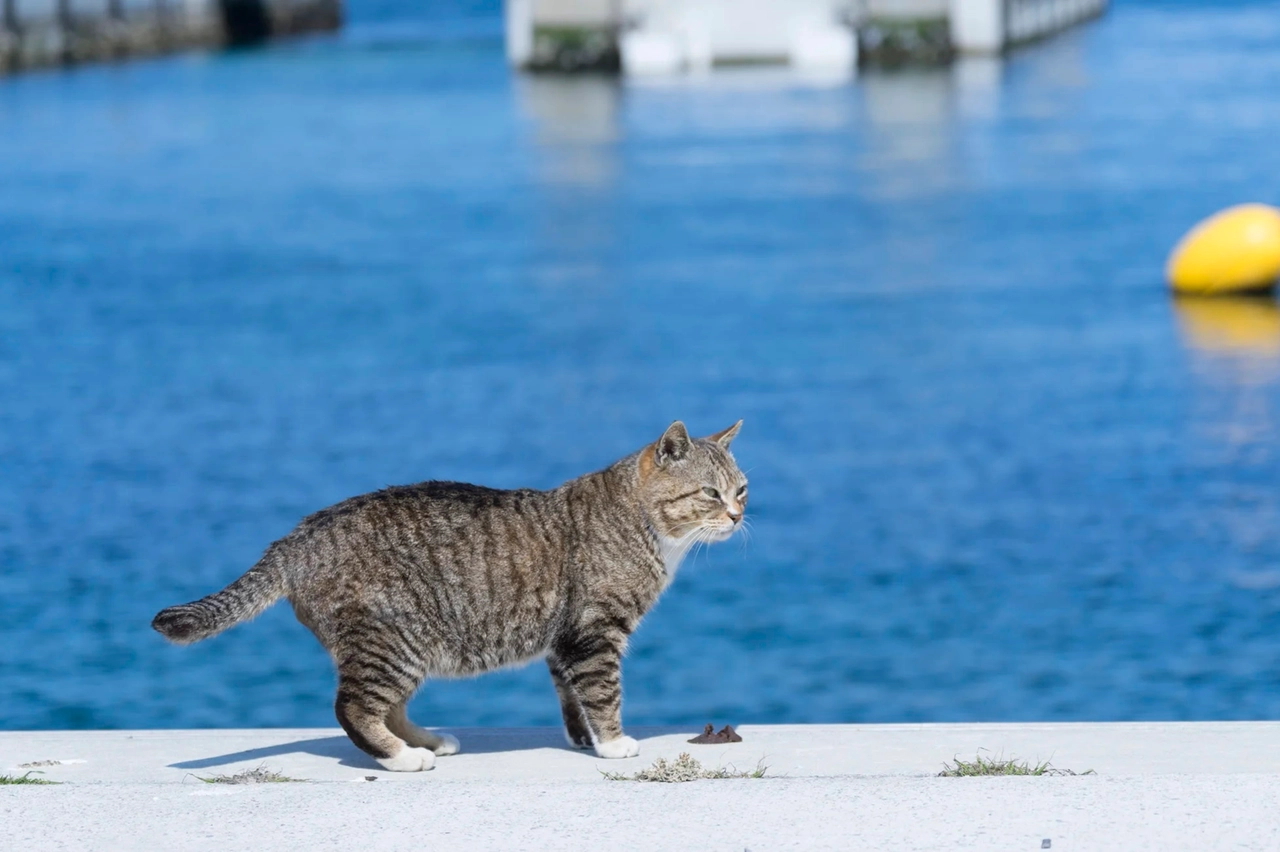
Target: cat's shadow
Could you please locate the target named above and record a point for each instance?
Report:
(338, 746)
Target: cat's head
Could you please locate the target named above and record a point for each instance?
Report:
(692, 487)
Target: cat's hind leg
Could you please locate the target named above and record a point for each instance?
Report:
(366, 694)
(402, 726)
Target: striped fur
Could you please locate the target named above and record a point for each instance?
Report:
(445, 579)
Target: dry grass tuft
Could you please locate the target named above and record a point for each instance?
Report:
(683, 768)
(260, 775)
(987, 766)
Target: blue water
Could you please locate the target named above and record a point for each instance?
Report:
(996, 473)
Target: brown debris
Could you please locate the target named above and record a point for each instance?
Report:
(725, 735)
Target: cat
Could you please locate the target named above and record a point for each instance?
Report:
(447, 579)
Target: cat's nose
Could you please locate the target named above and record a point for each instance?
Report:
(734, 515)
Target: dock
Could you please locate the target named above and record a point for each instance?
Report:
(1142, 786)
(666, 37)
(37, 34)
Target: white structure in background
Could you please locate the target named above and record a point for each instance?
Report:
(673, 36)
(670, 36)
(990, 26)
(666, 36)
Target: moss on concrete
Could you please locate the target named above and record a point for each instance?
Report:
(259, 775)
(683, 768)
(996, 766)
(570, 49)
(895, 42)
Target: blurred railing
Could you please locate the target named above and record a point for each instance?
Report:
(1028, 20)
(46, 33)
(991, 26)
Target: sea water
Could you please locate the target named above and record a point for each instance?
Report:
(996, 472)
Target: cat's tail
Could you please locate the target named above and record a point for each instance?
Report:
(244, 599)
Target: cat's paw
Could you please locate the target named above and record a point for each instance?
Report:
(621, 747)
(581, 741)
(410, 760)
(449, 745)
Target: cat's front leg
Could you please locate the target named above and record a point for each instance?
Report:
(592, 668)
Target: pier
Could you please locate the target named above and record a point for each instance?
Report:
(1198, 786)
(648, 37)
(49, 33)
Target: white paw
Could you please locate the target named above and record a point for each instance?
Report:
(449, 746)
(409, 760)
(621, 747)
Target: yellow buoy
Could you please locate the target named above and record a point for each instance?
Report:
(1235, 251)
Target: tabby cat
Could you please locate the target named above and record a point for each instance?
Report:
(448, 579)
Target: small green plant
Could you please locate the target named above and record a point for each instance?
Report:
(988, 766)
(24, 779)
(260, 775)
(683, 768)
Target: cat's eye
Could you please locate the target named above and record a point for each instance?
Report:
(742, 491)
(711, 492)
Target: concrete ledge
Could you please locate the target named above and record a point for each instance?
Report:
(1158, 786)
(539, 755)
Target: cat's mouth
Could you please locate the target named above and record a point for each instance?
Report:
(720, 532)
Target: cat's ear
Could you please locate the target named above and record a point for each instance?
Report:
(725, 438)
(673, 445)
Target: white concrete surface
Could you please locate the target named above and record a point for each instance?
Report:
(823, 48)
(701, 33)
(1167, 786)
(649, 53)
(663, 37)
(518, 21)
(519, 755)
(905, 9)
(677, 36)
(978, 26)
(575, 13)
(1165, 814)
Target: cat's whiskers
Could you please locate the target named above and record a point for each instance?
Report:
(703, 541)
(691, 544)
(707, 536)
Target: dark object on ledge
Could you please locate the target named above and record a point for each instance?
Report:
(725, 735)
(575, 50)
(246, 21)
(894, 43)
